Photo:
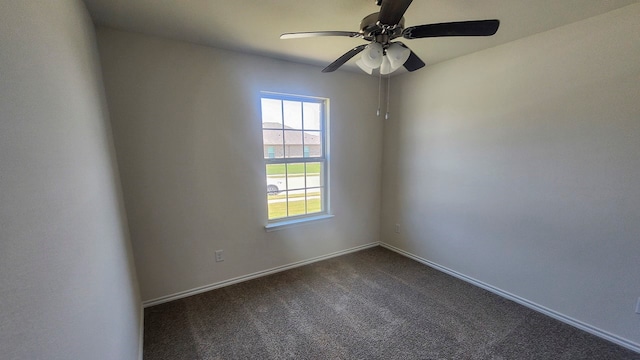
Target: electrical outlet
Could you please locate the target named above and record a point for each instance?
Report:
(219, 255)
(397, 229)
(638, 306)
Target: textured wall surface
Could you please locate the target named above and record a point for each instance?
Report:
(67, 281)
(518, 166)
(187, 130)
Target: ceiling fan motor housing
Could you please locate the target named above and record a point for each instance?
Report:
(372, 30)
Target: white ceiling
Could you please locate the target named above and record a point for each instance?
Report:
(254, 26)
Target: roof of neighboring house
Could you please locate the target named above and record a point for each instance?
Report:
(292, 136)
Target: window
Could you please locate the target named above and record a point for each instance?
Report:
(294, 140)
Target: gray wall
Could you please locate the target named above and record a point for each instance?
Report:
(519, 166)
(67, 283)
(187, 130)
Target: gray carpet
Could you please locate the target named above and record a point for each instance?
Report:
(373, 304)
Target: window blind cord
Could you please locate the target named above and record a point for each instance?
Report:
(379, 93)
(386, 116)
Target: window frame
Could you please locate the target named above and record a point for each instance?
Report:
(325, 213)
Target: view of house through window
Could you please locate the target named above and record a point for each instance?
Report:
(294, 143)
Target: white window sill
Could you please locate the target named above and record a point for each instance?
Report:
(295, 222)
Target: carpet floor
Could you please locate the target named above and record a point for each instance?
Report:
(372, 304)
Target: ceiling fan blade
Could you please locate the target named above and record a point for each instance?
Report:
(461, 28)
(413, 63)
(391, 11)
(298, 35)
(344, 58)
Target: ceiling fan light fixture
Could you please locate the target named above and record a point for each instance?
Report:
(364, 67)
(388, 24)
(372, 55)
(397, 55)
(386, 68)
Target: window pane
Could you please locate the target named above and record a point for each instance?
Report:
(276, 191)
(272, 141)
(314, 200)
(313, 140)
(271, 152)
(314, 175)
(295, 176)
(296, 202)
(312, 114)
(293, 143)
(275, 171)
(277, 206)
(276, 180)
(292, 114)
(271, 114)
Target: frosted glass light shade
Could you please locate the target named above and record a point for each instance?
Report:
(397, 55)
(385, 68)
(372, 55)
(364, 67)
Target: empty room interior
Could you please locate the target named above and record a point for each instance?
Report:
(214, 179)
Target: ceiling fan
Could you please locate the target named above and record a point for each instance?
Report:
(382, 27)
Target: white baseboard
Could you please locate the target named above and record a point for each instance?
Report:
(254, 275)
(522, 301)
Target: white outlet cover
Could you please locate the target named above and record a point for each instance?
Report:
(638, 306)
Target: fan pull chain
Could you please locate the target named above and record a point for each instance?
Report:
(379, 93)
(388, 95)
